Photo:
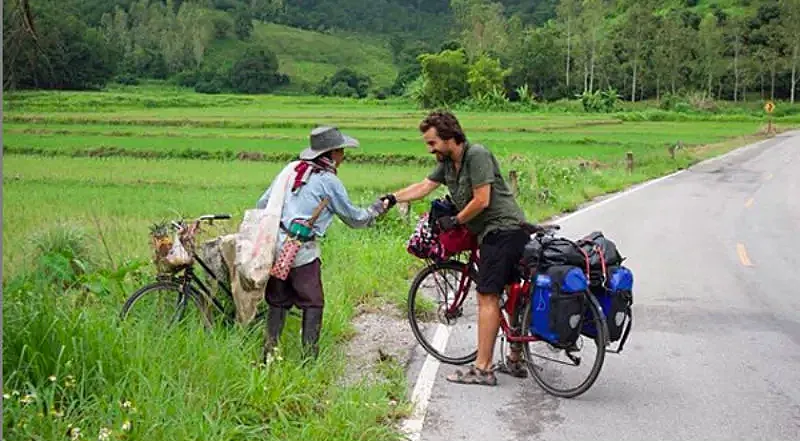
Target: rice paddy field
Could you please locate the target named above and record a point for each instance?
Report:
(86, 174)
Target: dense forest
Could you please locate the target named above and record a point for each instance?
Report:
(445, 51)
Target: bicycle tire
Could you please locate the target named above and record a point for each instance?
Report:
(162, 285)
(600, 341)
(412, 295)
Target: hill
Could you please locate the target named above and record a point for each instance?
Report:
(309, 56)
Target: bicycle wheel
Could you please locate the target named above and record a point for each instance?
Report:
(556, 383)
(433, 291)
(158, 302)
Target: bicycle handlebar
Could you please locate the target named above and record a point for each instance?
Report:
(214, 217)
(178, 225)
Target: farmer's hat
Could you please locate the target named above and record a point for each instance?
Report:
(324, 139)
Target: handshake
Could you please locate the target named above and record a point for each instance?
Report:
(386, 202)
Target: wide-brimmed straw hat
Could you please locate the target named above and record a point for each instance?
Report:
(325, 139)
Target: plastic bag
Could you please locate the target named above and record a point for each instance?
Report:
(258, 235)
(178, 256)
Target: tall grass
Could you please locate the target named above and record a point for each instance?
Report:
(69, 365)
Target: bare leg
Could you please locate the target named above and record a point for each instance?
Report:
(488, 325)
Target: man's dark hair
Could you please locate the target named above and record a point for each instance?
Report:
(446, 124)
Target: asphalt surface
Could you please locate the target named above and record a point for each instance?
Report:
(715, 349)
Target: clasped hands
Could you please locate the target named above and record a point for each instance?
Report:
(387, 201)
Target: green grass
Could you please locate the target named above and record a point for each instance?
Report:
(76, 233)
(308, 56)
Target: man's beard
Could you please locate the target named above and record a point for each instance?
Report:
(440, 156)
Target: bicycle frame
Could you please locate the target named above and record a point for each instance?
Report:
(189, 281)
(516, 298)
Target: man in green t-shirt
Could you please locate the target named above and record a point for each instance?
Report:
(488, 209)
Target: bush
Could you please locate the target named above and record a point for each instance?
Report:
(209, 87)
(256, 71)
(243, 24)
(222, 23)
(485, 76)
(127, 79)
(599, 100)
(345, 83)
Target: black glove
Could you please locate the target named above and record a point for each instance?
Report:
(392, 200)
(447, 222)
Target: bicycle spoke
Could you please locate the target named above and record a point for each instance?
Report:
(435, 301)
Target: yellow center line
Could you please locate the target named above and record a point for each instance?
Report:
(742, 252)
(749, 203)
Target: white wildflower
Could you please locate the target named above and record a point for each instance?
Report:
(52, 378)
(74, 432)
(126, 426)
(104, 434)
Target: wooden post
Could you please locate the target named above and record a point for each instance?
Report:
(514, 179)
(629, 157)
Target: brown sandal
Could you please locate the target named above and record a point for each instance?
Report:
(514, 368)
(473, 376)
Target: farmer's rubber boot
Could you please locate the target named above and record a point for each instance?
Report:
(312, 325)
(276, 317)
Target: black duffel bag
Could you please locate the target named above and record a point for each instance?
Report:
(602, 253)
(542, 253)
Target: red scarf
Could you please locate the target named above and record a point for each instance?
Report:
(306, 168)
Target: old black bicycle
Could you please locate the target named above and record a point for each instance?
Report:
(177, 283)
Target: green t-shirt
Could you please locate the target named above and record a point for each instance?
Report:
(478, 167)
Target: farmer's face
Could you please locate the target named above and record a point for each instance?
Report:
(436, 146)
(338, 156)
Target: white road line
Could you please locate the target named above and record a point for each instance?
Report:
(421, 394)
(422, 390)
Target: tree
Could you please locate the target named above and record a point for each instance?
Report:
(672, 50)
(44, 48)
(636, 31)
(791, 29)
(345, 82)
(568, 12)
(593, 30)
(255, 72)
(242, 24)
(265, 10)
(482, 25)
(537, 62)
(445, 77)
(485, 75)
(709, 50)
(735, 31)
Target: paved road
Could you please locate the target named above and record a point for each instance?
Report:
(715, 349)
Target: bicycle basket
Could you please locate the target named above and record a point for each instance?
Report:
(171, 254)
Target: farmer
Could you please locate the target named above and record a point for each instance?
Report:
(315, 178)
(488, 209)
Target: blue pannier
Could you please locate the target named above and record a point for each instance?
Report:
(616, 299)
(559, 304)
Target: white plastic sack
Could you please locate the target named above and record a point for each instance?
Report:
(258, 234)
(178, 256)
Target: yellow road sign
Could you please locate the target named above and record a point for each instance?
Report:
(769, 107)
